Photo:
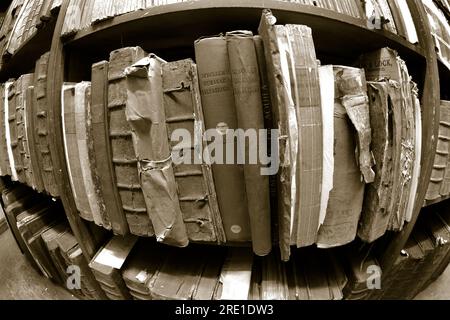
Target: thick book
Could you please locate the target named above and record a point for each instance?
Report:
(103, 171)
(376, 213)
(22, 162)
(246, 83)
(278, 58)
(146, 116)
(42, 123)
(108, 262)
(443, 148)
(345, 202)
(306, 94)
(193, 176)
(121, 145)
(219, 109)
(179, 275)
(5, 168)
(236, 275)
(34, 166)
(68, 114)
(11, 130)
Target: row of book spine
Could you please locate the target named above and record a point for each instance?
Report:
(24, 140)
(144, 270)
(44, 236)
(120, 155)
(441, 31)
(84, 13)
(21, 23)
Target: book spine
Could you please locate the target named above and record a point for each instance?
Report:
(346, 197)
(24, 152)
(309, 114)
(219, 110)
(146, 116)
(444, 147)
(15, 108)
(11, 136)
(69, 116)
(376, 214)
(82, 102)
(41, 126)
(4, 161)
(277, 52)
(103, 171)
(196, 190)
(121, 143)
(249, 111)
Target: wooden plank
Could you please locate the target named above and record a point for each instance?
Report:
(430, 103)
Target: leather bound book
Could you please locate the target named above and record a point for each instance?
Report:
(306, 92)
(4, 160)
(196, 188)
(278, 57)
(37, 183)
(245, 79)
(346, 198)
(376, 212)
(219, 111)
(103, 171)
(121, 144)
(146, 116)
(73, 161)
(41, 138)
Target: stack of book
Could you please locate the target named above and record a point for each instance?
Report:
(24, 139)
(439, 186)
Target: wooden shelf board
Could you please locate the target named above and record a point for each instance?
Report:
(24, 59)
(180, 24)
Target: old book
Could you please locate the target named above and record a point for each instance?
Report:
(111, 209)
(407, 149)
(278, 57)
(274, 283)
(40, 117)
(443, 148)
(327, 98)
(415, 176)
(121, 144)
(344, 206)
(10, 128)
(219, 111)
(146, 116)
(209, 281)
(108, 262)
(22, 114)
(4, 159)
(235, 276)
(408, 21)
(31, 225)
(376, 213)
(245, 79)
(141, 266)
(74, 15)
(179, 275)
(193, 176)
(69, 117)
(306, 93)
(37, 182)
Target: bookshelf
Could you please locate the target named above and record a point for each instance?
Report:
(339, 39)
